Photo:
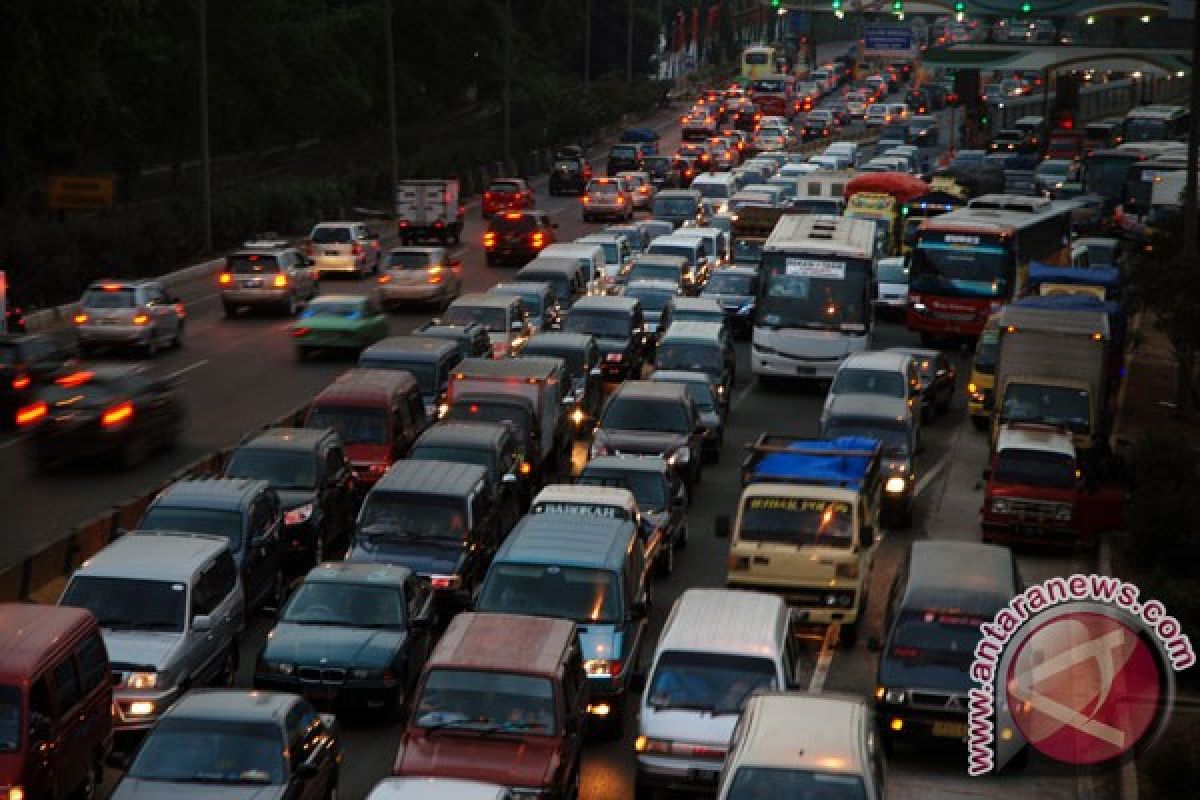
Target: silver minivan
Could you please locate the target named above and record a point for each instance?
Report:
(170, 608)
(345, 247)
(129, 313)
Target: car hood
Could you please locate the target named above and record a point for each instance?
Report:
(148, 648)
(903, 674)
(364, 453)
(698, 727)
(504, 760)
(294, 498)
(601, 641)
(334, 645)
(641, 442)
(424, 558)
(135, 789)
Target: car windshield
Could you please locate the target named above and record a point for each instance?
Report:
(395, 516)
(345, 309)
(331, 235)
(674, 206)
(637, 414)
(215, 522)
(109, 298)
(252, 263)
(283, 469)
(599, 324)
(716, 683)
(642, 271)
(351, 604)
(409, 259)
(653, 300)
(754, 783)
(869, 381)
(424, 372)
(353, 424)
(576, 593)
(701, 394)
(566, 165)
(895, 439)
(87, 395)
(649, 488)
(796, 521)
(688, 357)
(699, 315)
(211, 751)
(892, 270)
(457, 455)
(10, 719)
(624, 151)
(486, 702)
(503, 187)
(493, 319)
(726, 283)
(1053, 405)
(1022, 467)
(930, 637)
(128, 604)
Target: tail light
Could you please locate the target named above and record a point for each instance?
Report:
(487, 196)
(225, 279)
(445, 581)
(141, 319)
(297, 332)
(80, 319)
(539, 239)
(586, 200)
(21, 382)
(280, 281)
(74, 379)
(117, 415)
(435, 275)
(27, 415)
(489, 239)
(385, 279)
(620, 199)
(356, 249)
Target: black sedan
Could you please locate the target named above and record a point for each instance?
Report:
(937, 379)
(353, 635)
(230, 743)
(111, 411)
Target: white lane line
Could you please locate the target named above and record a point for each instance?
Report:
(825, 659)
(14, 442)
(928, 477)
(742, 394)
(185, 370)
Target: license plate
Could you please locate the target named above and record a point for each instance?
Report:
(1031, 531)
(251, 284)
(110, 322)
(950, 730)
(705, 775)
(332, 253)
(806, 370)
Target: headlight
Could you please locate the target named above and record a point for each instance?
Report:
(140, 680)
(895, 485)
(1062, 513)
(1001, 506)
(838, 599)
(920, 307)
(680, 456)
(279, 667)
(443, 410)
(577, 416)
(298, 515)
(643, 744)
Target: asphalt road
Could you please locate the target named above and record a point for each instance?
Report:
(238, 375)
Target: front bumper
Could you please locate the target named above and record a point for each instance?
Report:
(123, 705)
(674, 773)
(806, 600)
(338, 691)
(776, 364)
(905, 723)
(1004, 528)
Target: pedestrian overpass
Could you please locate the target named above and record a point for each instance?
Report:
(1060, 58)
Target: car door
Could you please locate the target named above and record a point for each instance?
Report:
(227, 602)
(299, 273)
(377, 323)
(161, 312)
(73, 745)
(261, 566)
(418, 599)
(594, 380)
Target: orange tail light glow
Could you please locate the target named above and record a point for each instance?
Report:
(280, 281)
(489, 239)
(141, 319)
(27, 415)
(224, 279)
(117, 415)
(300, 331)
(21, 382)
(385, 278)
(75, 379)
(80, 319)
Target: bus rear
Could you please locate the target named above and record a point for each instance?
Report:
(758, 61)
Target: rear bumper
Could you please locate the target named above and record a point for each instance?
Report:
(114, 334)
(340, 264)
(396, 292)
(255, 297)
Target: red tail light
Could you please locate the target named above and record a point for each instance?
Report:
(356, 249)
(80, 319)
(489, 239)
(27, 415)
(539, 239)
(117, 415)
(280, 281)
(21, 382)
(586, 199)
(298, 332)
(141, 319)
(385, 278)
(75, 379)
(487, 196)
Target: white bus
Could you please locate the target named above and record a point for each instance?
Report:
(814, 305)
(1157, 124)
(758, 61)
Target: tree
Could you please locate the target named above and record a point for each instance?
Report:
(1166, 283)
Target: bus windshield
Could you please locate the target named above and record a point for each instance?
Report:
(811, 293)
(960, 265)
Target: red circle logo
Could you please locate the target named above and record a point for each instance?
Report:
(1084, 688)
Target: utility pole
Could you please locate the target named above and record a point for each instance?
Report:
(629, 44)
(508, 31)
(587, 44)
(205, 154)
(1190, 245)
(390, 54)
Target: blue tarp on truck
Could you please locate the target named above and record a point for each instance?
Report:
(846, 461)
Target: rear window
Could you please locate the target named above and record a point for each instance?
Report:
(252, 263)
(494, 319)
(506, 187)
(331, 235)
(603, 188)
(408, 260)
(519, 223)
(566, 165)
(109, 298)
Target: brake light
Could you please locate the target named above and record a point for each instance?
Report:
(280, 281)
(300, 331)
(513, 215)
(620, 200)
(21, 382)
(538, 239)
(435, 275)
(586, 200)
(80, 319)
(75, 379)
(111, 287)
(487, 196)
(117, 415)
(356, 249)
(525, 468)
(385, 278)
(27, 415)
(141, 319)
(489, 239)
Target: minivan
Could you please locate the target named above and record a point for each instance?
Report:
(377, 413)
(428, 360)
(619, 326)
(564, 274)
(891, 421)
(589, 569)
(591, 260)
(690, 248)
(699, 347)
(717, 648)
(679, 206)
(503, 315)
(56, 686)
(943, 592)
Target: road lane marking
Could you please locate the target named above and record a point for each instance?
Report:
(181, 372)
(742, 394)
(825, 659)
(928, 477)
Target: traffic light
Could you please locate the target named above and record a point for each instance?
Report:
(960, 7)
(898, 6)
(837, 5)
(774, 3)
(1026, 7)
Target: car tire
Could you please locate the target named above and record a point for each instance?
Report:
(980, 423)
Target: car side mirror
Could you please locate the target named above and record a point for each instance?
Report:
(201, 623)
(722, 526)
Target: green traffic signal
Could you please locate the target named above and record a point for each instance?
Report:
(897, 5)
(774, 3)
(960, 7)
(1026, 8)
(837, 5)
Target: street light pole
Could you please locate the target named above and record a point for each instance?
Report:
(508, 26)
(390, 53)
(205, 154)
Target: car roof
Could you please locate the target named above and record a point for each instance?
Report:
(443, 478)
(724, 621)
(605, 303)
(503, 643)
(575, 493)
(560, 340)
(568, 540)
(679, 376)
(419, 345)
(694, 331)
(829, 743)
(698, 303)
(286, 439)
(517, 287)
(1016, 436)
(747, 271)
(469, 434)
(540, 367)
(876, 359)
(918, 352)
(653, 284)
(215, 493)
(245, 705)
(361, 383)
(651, 391)
(154, 556)
(485, 300)
(359, 572)
(28, 631)
(965, 576)
(412, 248)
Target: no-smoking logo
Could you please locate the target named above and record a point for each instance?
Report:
(1085, 688)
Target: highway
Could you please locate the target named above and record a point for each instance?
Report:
(239, 374)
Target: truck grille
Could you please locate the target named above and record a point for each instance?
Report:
(953, 702)
(1033, 509)
(321, 675)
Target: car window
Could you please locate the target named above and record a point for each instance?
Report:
(93, 662)
(66, 680)
(224, 579)
(39, 700)
(205, 594)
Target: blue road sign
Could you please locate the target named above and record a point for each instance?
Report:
(887, 40)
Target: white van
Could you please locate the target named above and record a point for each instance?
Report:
(798, 744)
(591, 259)
(850, 151)
(718, 646)
(716, 186)
(716, 244)
(617, 253)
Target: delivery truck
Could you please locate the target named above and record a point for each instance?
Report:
(429, 209)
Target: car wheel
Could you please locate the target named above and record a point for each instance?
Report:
(231, 310)
(980, 423)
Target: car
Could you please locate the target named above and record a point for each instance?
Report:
(700, 347)
(938, 379)
(658, 167)
(170, 609)
(657, 299)
(661, 496)
(736, 290)
(118, 412)
(339, 322)
(1008, 141)
(679, 207)
(618, 325)
(516, 237)
(344, 247)
(654, 267)
(224, 744)
(890, 421)
(623, 156)
(709, 409)
(891, 287)
(503, 315)
(1051, 174)
(878, 115)
(491, 445)
(658, 419)
(128, 313)
(28, 362)
(246, 513)
(351, 636)
(876, 373)
(267, 273)
(420, 275)
(698, 309)
(633, 233)
(472, 339)
(607, 198)
(538, 301)
(580, 355)
(570, 172)
(994, 95)
(643, 189)
(308, 469)
(507, 194)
